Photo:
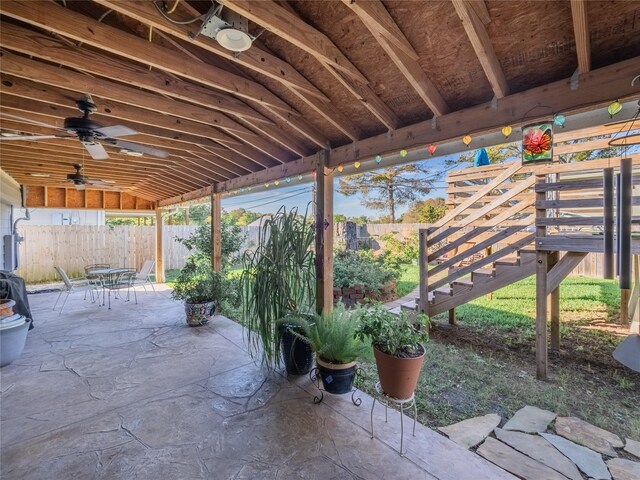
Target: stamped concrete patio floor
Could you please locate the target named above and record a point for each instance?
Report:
(133, 392)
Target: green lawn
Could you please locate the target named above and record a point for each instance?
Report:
(487, 363)
(408, 281)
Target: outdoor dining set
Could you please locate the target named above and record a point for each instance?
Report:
(102, 279)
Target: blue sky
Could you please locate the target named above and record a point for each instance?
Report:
(299, 195)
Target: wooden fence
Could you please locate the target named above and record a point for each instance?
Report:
(74, 246)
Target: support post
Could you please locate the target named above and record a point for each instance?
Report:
(624, 237)
(159, 247)
(424, 271)
(216, 232)
(541, 290)
(324, 233)
(554, 305)
(608, 224)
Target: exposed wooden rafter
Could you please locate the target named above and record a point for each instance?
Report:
(287, 25)
(581, 34)
(481, 44)
(378, 21)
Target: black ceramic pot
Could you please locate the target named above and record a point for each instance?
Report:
(296, 353)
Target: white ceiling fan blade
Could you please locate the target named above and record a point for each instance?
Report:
(11, 116)
(115, 131)
(80, 186)
(96, 150)
(5, 138)
(136, 147)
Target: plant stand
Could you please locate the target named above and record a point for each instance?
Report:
(404, 404)
(314, 376)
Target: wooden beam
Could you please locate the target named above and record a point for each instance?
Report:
(58, 51)
(159, 247)
(67, 23)
(56, 18)
(554, 304)
(289, 26)
(596, 90)
(324, 234)
(581, 34)
(481, 44)
(216, 232)
(384, 29)
(542, 258)
(254, 59)
(123, 95)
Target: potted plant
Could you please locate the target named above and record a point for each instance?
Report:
(278, 282)
(201, 289)
(332, 337)
(398, 346)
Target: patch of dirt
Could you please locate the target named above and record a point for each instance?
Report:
(581, 349)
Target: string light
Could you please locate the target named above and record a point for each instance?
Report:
(559, 119)
(299, 178)
(614, 108)
(266, 185)
(288, 179)
(276, 183)
(403, 153)
(356, 164)
(506, 131)
(466, 140)
(340, 168)
(432, 149)
(378, 158)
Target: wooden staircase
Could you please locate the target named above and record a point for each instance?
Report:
(488, 238)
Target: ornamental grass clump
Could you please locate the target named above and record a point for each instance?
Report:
(278, 280)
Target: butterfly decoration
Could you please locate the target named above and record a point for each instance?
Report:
(537, 142)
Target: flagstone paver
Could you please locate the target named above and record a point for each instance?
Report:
(515, 462)
(588, 461)
(632, 447)
(539, 449)
(623, 469)
(469, 433)
(588, 435)
(530, 420)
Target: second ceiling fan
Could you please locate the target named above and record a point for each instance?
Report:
(90, 133)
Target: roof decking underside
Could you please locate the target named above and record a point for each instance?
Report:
(221, 117)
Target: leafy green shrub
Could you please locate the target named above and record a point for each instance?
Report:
(198, 283)
(199, 243)
(399, 336)
(399, 252)
(351, 268)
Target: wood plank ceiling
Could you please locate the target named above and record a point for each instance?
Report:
(320, 75)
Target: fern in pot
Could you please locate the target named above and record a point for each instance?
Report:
(398, 347)
(332, 337)
(278, 282)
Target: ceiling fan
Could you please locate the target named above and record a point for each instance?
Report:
(80, 180)
(91, 134)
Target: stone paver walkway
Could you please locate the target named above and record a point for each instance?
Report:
(531, 449)
(135, 393)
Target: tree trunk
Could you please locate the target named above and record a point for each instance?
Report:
(392, 203)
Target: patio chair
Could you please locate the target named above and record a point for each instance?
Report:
(122, 281)
(144, 275)
(71, 286)
(94, 279)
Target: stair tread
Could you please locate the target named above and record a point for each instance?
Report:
(463, 281)
(408, 305)
(395, 311)
(508, 261)
(443, 290)
(484, 271)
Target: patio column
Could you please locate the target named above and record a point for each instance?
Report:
(216, 232)
(324, 233)
(159, 248)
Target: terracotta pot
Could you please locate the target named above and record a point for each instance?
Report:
(199, 313)
(398, 376)
(6, 307)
